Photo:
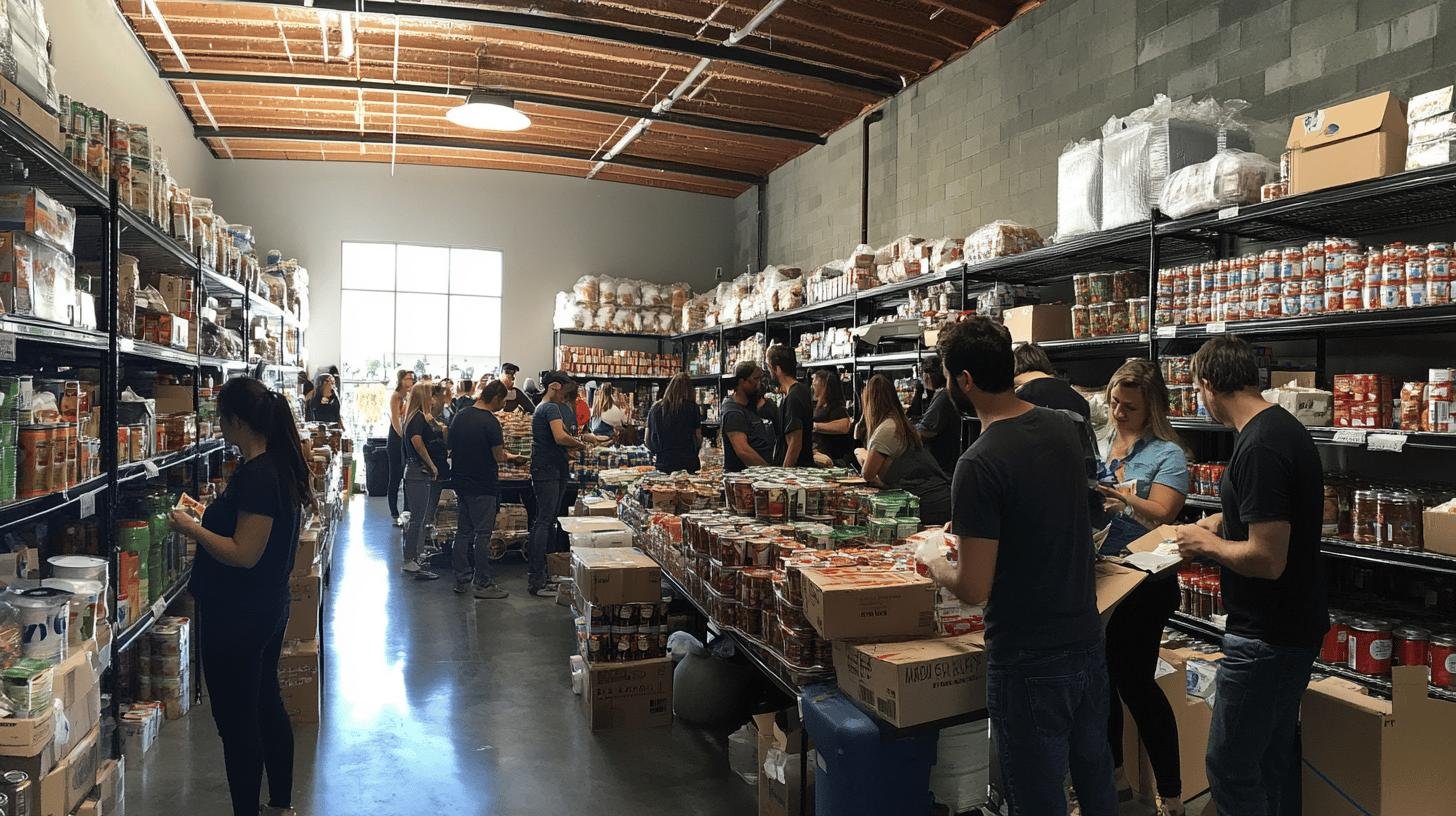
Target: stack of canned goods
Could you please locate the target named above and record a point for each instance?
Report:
(9, 428)
(1109, 303)
(1205, 478)
(1183, 399)
(1372, 645)
(617, 633)
(1331, 275)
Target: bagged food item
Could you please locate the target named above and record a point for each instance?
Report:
(605, 315)
(680, 293)
(587, 290)
(1412, 406)
(629, 293)
(1428, 104)
(944, 252)
(863, 257)
(1440, 126)
(694, 314)
(607, 288)
(33, 211)
(561, 315)
(1079, 189)
(1229, 178)
(1000, 238)
(1141, 150)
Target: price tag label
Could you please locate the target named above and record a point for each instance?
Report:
(125, 344)
(1228, 212)
(1143, 338)
(151, 469)
(1167, 332)
(159, 608)
(88, 505)
(1216, 328)
(7, 347)
(1350, 436)
(1392, 442)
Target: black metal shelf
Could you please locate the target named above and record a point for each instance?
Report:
(1334, 437)
(34, 330)
(129, 635)
(1387, 556)
(153, 248)
(842, 307)
(1110, 250)
(1408, 320)
(47, 168)
(28, 510)
(213, 280)
(613, 335)
(222, 363)
(885, 290)
(832, 362)
(1202, 502)
(617, 377)
(715, 375)
(156, 353)
(1112, 341)
(892, 358)
(136, 470)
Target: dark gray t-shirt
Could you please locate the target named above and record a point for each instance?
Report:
(738, 419)
(943, 420)
(474, 436)
(1022, 483)
(796, 413)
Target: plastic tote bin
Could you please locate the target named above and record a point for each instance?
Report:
(376, 467)
(858, 772)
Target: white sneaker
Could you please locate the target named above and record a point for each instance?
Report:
(413, 569)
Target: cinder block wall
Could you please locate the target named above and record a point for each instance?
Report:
(979, 139)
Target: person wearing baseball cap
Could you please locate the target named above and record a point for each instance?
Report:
(516, 399)
(553, 435)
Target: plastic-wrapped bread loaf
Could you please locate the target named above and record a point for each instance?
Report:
(629, 293)
(607, 287)
(1000, 238)
(587, 290)
(1229, 178)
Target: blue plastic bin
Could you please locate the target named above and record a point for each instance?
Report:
(858, 772)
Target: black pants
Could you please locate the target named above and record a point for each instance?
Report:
(396, 471)
(1133, 636)
(240, 664)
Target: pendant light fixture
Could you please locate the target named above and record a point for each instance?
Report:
(485, 110)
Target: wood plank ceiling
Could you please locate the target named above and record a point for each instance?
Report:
(371, 80)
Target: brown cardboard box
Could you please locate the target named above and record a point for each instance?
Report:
(298, 678)
(914, 682)
(628, 695)
(1033, 324)
(1303, 379)
(558, 564)
(1354, 141)
(23, 107)
(1194, 718)
(174, 399)
(308, 542)
(111, 785)
(859, 604)
(303, 606)
(781, 751)
(1440, 531)
(26, 737)
(594, 507)
(89, 807)
(78, 687)
(61, 790)
(1391, 757)
(616, 575)
(1113, 583)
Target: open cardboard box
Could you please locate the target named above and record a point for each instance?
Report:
(1034, 324)
(1194, 718)
(588, 532)
(1440, 530)
(1354, 141)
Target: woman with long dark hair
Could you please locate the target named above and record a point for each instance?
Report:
(404, 380)
(323, 402)
(832, 425)
(247, 540)
(895, 457)
(674, 432)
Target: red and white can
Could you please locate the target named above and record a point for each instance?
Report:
(1335, 648)
(1442, 660)
(1411, 643)
(1370, 647)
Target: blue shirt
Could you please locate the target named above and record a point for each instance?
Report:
(548, 459)
(1151, 461)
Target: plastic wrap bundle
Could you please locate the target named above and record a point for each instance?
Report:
(1229, 178)
(863, 257)
(1000, 238)
(944, 252)
(1141, 150)
(694, 312)
(24, 55)
(1079, 189)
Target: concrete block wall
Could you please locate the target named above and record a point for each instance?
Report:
(979, 139)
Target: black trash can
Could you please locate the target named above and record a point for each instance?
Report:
(376, 466)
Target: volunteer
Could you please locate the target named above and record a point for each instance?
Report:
(832, 424)
(1025, 543)
(603, 401)
(940, 426)
(404, 381)
(1267, 540)
(894, 457)
(247, 540)
(1037, 383)
(423, 475)
(748, 436)
(1152, 475)
(553, 435)
(516, 400)
(467, 394)
(477, 447)
(323, 402)
(796, 410)
(674, 428)
(445, 411)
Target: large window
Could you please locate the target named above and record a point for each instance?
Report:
(435, 310)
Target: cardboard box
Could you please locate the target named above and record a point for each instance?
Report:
(26, 737)
(779, 753)
(111, 786)
(1440, 531)
(1346, 143)
(859, 604)
(1391, 757)
(1033, 324)
(61, 791)
(304, 594)
(594, 506)
(27, 110)
(173, 399)
(616, 575)
(1303, 379)
(588, 532)
(558, 565)
(308, 543)
(628, 695)
(78, 687)
(1113, 583)
(914, 682)
(1193, 716)
(298, 679)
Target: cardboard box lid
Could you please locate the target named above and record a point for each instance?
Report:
(835, 579)
(1345, 121)
(590, 524)
(613, 558)
(1114, 583)
(919, 651)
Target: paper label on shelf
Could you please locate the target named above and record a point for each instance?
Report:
(1216, 328)
(1228, 212)
(125, 344)
(1167, 332)
(1350, 436)
(151, 469)
(7, 347)
(1143, 338)
(159, 608)
(1393, 442)
(88, 505)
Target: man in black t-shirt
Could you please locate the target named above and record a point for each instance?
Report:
(748, 438)
(796, 410)
(1019, 510)
(516, 399)
(477, 447)
(1267, 539)
(940, 426)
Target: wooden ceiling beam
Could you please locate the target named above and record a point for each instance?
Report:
(987, 12)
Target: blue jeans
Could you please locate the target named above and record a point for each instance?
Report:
(549, 494)
(1253, 742)
(472, 538)
(422, 494)
(1049, 715)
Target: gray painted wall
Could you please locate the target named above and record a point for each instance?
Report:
(979, 139)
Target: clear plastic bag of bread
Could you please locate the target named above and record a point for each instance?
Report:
(679, 295)
(652, 294)
(999, 239)
(587, 289)
(604, 316)
(944, 252)
(629, 293)
(607, 288)
(1230, 178)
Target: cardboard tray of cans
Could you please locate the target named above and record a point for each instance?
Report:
(588, 360)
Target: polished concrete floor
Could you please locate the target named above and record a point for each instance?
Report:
(434, 703)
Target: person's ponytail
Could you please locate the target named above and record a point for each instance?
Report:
(267, 412)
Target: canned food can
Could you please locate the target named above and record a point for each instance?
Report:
(1370, 648)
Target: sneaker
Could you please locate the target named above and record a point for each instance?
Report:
(462, 587)
(269, 810)
(397, 521)
(1168, 807)
(490, 592)
(414, 570)
(546, 591)
(1074, 808)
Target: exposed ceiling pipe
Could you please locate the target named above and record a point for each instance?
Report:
(282, 36)
(156, 15)
(743, 33)
(346, 29)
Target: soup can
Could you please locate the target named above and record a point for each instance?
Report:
(1336, 642)
(1410, 644)
(1370, 647)
(1441, 657)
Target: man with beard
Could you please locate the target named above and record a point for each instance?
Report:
(748, 439)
